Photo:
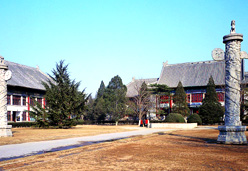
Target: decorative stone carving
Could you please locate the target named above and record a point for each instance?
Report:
(244, 55)
(218, 54)
(232, 82)
(5, 74)
(233, 27)
(233, 131)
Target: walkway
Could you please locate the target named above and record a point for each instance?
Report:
(32, 148)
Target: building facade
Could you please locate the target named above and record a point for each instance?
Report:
(194, 77)
(23, 88)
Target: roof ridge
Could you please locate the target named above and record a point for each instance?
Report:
(146, 78)
(44, 74)
(199, 62)
(35, 68)
(22, 65)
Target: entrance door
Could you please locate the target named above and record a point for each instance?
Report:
(14, 116)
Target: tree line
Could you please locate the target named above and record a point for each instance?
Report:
(65, 104)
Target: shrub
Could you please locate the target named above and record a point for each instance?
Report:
(174, 118)
(194, 118)
(157, 121)
(21, 124)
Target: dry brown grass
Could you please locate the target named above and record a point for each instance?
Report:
(177, 150)
(21, 135)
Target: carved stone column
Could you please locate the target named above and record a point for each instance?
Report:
(5, 74)
(232, 132)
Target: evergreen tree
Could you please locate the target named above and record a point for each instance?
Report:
(100, 90)
(211, 110)
(99, 108)
(160, 90)
(64, 101)
(89, 110)
(244, 104)
(39, 114)
(180, 103)
(115, 98)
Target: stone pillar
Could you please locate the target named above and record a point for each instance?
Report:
(232, 132)
(5, 74)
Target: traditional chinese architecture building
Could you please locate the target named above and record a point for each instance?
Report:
(24, 87)
(194, 77)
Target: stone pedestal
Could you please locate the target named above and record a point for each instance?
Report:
(232, 135)
(6, 131)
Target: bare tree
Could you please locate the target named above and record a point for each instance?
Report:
(140, 103)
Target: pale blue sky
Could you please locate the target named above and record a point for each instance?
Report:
(101, 39)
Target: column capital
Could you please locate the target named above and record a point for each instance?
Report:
(2, 63)
(232, 37)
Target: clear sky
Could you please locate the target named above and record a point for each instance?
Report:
(105, 38)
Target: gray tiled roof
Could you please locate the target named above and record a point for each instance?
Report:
(25, 76)
(136, 83)
(193, 74)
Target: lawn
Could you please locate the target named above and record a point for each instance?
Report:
(175, 150)
(21, 135)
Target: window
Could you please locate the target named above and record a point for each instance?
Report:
(32, 99)
(24, 116)
(9, 115)
(164, 99)
(16, 100)
(221, 96)
(24, 101)
(197, 97)
(188, 98)
(8, 99)
(39, 100)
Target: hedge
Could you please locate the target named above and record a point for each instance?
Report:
(21, 124)
(94, 122)
(174, 118)
(194, 118)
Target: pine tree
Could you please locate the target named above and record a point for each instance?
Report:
(100, 90)
(211, 110)
(161, 90)
(180, 103)
(89, 109)
(244, 104)
(115, 98)
(99, 109)
(39, 114)
(64, 101)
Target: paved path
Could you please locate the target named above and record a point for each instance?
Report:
(25, 149)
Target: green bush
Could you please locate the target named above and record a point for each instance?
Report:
(174, 118)
(80, 122)
(157, 121)
(21, 124)
(194, 118)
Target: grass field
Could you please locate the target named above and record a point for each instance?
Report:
(21, 135)
(176, 150)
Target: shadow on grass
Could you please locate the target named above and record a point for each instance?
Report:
(192, 138)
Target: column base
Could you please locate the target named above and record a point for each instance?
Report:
(6, 131)
(232, 135)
